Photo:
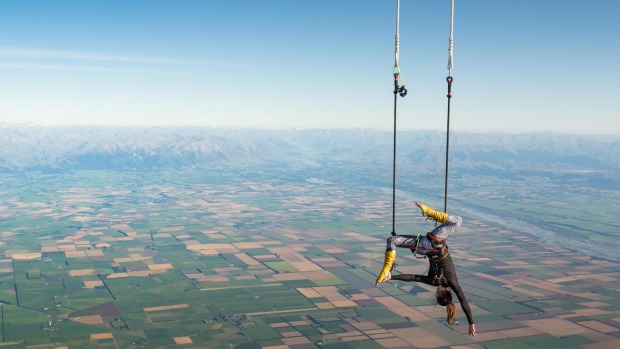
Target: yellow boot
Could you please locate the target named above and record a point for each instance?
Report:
(390, 257)
(440, 217)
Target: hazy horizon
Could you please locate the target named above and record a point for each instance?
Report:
(266, 128)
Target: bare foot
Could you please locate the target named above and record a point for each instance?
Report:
(420, 205)
(386, 278)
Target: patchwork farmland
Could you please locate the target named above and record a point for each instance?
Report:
(194, 260)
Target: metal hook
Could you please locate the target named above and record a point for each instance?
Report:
(402, 91)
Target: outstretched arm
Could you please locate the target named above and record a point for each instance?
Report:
(454, 285)
(449, 273)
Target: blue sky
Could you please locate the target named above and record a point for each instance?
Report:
(519, 65)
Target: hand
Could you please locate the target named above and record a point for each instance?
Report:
(472, 330)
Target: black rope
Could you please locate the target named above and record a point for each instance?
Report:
(402, 91)
(445, 196)
(394, 159)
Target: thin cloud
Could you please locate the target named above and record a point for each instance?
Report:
(14, 52)
(88, 68)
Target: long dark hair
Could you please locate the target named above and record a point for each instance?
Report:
(444, 298)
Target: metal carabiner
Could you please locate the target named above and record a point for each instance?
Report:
(402, 91)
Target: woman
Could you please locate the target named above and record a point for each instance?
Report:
(441, 271)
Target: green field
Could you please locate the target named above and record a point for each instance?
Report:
(196, 258)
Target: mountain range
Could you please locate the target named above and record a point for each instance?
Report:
(58, 148)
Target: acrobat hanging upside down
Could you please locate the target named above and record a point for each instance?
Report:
(442, 272)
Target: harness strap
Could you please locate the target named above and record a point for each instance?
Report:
(437, 253)
(441, 254)
(435, 240)
(437, 265)
(438, 271)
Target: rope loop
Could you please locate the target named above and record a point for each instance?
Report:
(451, 39)
(417, 242)
(399, 86)
(396, 71)
(397, 39)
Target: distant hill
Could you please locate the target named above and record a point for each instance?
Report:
(89, 147)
